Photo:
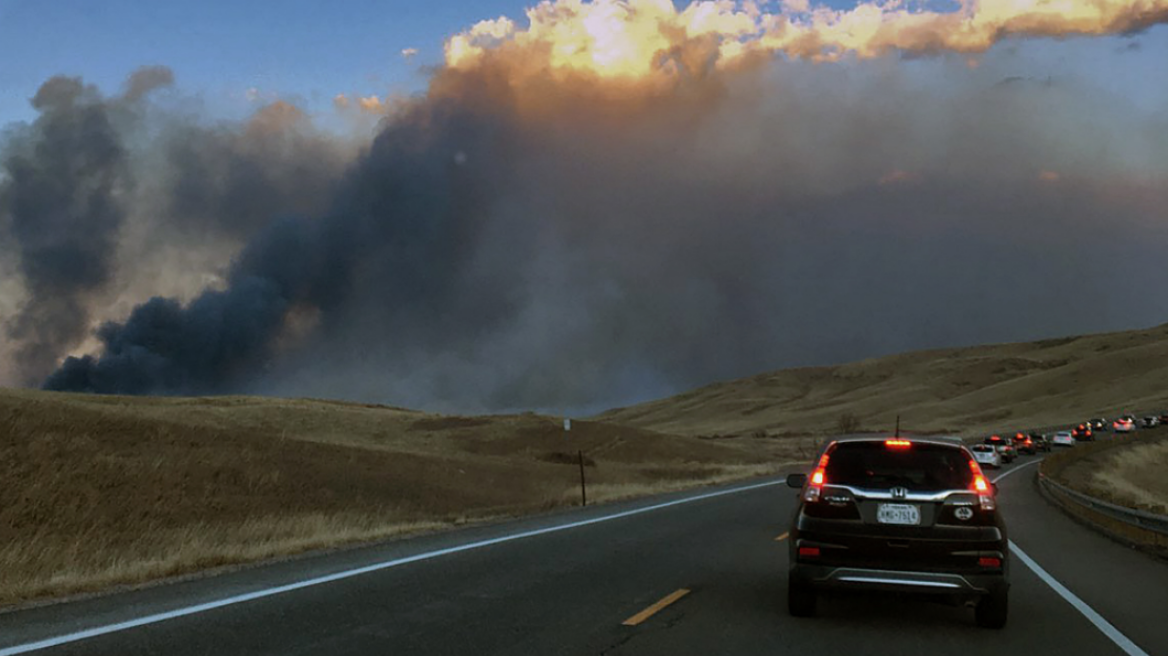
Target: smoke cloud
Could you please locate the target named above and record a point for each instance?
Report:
(105, 200)
(589, 231)
(61, 201)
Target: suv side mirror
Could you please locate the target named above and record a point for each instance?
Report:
(796, 480)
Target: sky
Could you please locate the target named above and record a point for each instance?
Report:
(308, 51)
(304, 50)
(614, 201)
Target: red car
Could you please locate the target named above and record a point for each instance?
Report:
(1024, 444)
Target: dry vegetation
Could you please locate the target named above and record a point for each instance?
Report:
(1137, 477)
(975, 390)
(111, 490)
(1133, 473)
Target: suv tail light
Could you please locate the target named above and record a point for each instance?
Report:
(989, 562)
(817, 480)
(809, 552)
(985, 491)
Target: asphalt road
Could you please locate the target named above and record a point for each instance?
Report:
(567, 584)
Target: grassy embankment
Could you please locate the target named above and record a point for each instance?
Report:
(1128, 471)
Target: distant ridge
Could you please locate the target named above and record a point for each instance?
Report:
(972, 389)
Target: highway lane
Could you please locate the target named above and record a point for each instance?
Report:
(568, 591)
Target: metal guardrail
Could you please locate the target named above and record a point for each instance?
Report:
(1138, 518)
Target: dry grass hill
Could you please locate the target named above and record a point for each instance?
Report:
(966, 390)
(104, 490)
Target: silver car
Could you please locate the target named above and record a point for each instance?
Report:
(986, 456)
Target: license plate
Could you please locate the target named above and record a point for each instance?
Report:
(898, 513)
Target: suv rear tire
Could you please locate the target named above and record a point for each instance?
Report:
(800, 599)
(992, 610)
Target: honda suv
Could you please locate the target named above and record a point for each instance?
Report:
(899, 515)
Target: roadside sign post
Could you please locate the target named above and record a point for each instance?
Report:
(583, 492)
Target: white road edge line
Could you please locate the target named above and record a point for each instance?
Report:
(1107, 628)
(269, 592)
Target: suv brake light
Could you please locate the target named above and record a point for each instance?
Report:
(985, 492)
(815, 483)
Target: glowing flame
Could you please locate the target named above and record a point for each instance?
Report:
(637, 38)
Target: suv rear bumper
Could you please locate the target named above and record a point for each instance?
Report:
(856, 578)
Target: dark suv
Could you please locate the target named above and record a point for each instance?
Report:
(901, 515)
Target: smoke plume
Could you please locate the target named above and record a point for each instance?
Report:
(61, 201)
(622, 199)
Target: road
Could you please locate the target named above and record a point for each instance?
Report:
(568, 583)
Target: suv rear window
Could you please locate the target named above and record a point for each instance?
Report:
(921, 467)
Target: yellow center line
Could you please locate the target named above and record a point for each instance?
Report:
(782, 537)
(655, 608)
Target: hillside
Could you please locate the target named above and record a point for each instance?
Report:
(975, 389)
(102, 490)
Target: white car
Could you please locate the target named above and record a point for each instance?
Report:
(986, 455)
(1063, 438)
(1125, 424)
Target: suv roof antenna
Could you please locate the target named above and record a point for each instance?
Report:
(897, 426)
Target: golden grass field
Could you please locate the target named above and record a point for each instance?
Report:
(967, 390)
(101, 490)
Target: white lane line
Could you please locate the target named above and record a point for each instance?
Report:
(1107, 628)
(1103, 625)
(1007, 473)
(269, 592)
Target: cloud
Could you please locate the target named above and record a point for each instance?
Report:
(409, 53)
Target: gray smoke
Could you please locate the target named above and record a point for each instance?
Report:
(103, 198)
(60, 200)
(591, 251)
(147, 79)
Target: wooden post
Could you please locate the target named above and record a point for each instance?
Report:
(583, 493)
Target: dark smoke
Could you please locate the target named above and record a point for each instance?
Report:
(571, 249)
(236, 181)
(61, 201)
(106, 196)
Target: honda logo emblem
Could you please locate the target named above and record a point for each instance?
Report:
(899, 492)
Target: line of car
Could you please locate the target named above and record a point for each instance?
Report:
(997, 450)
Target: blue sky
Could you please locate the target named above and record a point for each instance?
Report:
(307, 51)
